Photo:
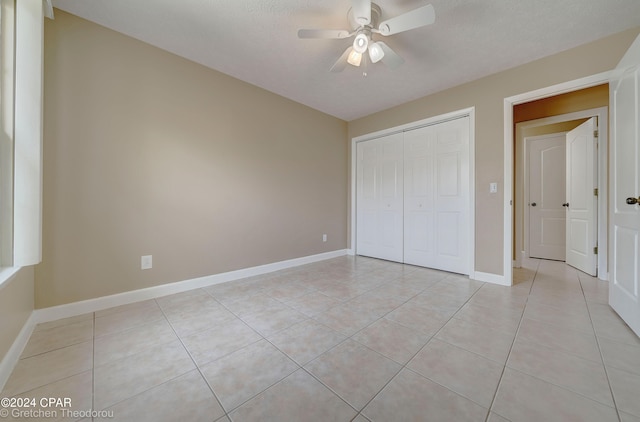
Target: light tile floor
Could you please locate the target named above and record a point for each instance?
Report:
(348, 339)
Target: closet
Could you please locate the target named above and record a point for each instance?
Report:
(413, 196)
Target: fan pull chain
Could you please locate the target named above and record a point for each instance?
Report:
(365, 59)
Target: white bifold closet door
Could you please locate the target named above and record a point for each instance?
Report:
(436, 196)
(379, 187)
(413, 197)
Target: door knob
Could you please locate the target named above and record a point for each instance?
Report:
(533, 204)
(566, 204)
(633, 201)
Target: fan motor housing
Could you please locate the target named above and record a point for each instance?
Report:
(376, 13)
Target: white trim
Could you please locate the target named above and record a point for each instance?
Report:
(507, 232)
(471, 113)
(28, 97)
(48, 9)
(92, 305)
(472, 190)
(12, 357)
(6, 274)
(509, 102)
(490, 278)
(7, 88)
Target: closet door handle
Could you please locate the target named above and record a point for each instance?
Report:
(633, 201)
(566, 204)
(533, 204)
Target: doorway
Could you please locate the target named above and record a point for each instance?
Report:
(522, 207)
(513, 210)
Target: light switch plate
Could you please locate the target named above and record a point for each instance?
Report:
(493, 187)
(146, 262)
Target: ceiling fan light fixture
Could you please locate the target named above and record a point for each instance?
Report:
(354, 58)
(375, 52)
(361, 43)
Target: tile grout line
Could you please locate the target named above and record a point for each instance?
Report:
(504, 367)
(536, 277)
(404, 366)
(262, 338)
(358, 412)
(162, 383)
(595, 335)
(194, 363)
(300, 367)
(577, 357)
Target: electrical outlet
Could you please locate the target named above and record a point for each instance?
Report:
(146, 262)
(324, 237)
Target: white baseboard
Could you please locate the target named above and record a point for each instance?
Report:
(10, 360)
(490, 278)
(92, 305)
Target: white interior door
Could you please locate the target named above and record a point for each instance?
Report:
(379, 198)
(624, 155)
(582, 202)
(546, 189)
(436, 196)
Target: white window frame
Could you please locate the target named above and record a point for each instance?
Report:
(21, 123)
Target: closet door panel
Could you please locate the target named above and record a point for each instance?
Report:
(391, 209)
(367, 197)
(452, 196)
(437, 196)
(379, 207)
(419, 195)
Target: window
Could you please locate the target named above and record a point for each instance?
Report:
(7, 50)
(21, 90)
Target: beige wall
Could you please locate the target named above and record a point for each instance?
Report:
(16, 305)
(487, 95)
(148, 153)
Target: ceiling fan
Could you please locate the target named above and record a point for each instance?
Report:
(364, 18)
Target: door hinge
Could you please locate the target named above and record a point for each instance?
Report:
(595, 133)
(595, 250)
(595, 191)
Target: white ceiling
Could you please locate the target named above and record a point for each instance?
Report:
(256, 41)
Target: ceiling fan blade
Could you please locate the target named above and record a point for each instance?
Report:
(323, 33)
(390, 58)
(361, 10)
(341, 63)
(416, 18)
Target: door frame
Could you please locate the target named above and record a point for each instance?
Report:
(602, 113)
(466, 112)
(522, 230)
(508, 104)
